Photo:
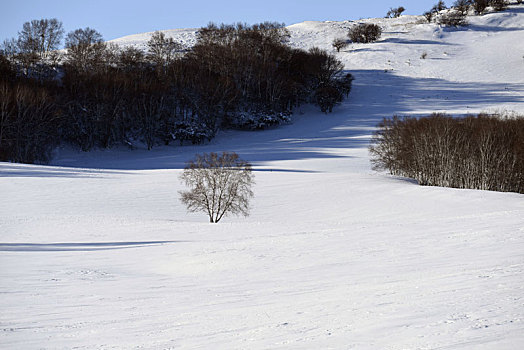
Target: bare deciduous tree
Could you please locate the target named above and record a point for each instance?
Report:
(219, 185)
(40, 36)
(162, 50)
(85, 47)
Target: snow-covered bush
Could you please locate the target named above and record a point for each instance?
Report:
(365, 33)
(499, 5)
(453, 18)
(192, 132)
(259, 120)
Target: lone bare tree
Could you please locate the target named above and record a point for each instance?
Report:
(219, 185)
(339, 43)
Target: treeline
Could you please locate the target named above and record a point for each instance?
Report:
(94, 94)
(479, 152)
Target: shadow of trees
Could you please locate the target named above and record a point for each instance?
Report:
(61, 247)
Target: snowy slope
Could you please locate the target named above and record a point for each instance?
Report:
(187, 37)
(97, 252)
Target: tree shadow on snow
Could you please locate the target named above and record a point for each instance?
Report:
(24, 170)
(485, 28)
(364, 49)
(67, 247)
(414, 42)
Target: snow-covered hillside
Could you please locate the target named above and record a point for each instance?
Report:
(97, 252)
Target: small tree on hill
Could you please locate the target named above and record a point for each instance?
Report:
(365, 33)
(395, 12)
(429, 16)
(462, 5)
(339, 44)
(440, 6)
(219, 185)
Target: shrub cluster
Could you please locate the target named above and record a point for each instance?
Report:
(365, 33)
(100, 95)
(454, 18)
(480, 5)
(479, 152)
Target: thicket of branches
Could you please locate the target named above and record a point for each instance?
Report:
(479, 152)
(96, 94)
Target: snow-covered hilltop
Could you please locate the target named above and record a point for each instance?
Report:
(489, 50)
(187, 37)
(96, 250)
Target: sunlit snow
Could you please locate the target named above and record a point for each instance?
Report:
(97, 252)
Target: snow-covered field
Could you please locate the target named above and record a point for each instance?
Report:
(96, 251)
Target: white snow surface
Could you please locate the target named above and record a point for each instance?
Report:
(97, 252)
